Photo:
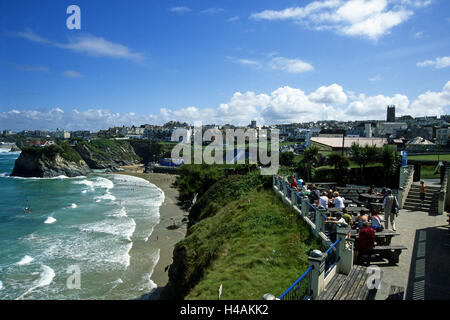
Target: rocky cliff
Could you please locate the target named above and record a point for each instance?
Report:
(107, 154)
(49, 162)
(74, 160)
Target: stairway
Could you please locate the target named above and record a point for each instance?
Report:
(431, 199)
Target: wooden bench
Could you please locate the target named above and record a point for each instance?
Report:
(391, 253)
(349, 287)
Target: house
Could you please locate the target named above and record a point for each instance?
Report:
(337, 144)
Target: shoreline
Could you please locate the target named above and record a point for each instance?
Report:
(165, 239)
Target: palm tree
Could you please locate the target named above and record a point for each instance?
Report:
(390, 159)
(310, 160)
(340, 163)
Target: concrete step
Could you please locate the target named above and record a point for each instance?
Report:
(417, 209)
(431, 189)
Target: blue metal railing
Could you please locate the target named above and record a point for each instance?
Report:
(293, 292)
(332, 258)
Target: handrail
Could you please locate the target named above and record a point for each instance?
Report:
(333, 245)
(295, 283)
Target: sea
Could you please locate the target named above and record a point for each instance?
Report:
(85, 238)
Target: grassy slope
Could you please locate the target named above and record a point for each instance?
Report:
(258, 247)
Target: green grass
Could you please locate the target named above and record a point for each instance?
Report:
(432, 157)
(427, 172)
(252, 246)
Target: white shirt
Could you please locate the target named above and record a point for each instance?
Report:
(339, 202)
(323, 202)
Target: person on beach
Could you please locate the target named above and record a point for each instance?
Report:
(388, 205)
(422, 193)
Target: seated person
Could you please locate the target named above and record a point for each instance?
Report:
(371, 190)
(294, 184)
(347, 217)
(361, 219)
(323, 201)
(330, 194)
(338, 201)
(383, 192)
(375, 221)
(365, 242)
(337, 221)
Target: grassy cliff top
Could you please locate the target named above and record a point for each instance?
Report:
(252, 246)
(49, 153)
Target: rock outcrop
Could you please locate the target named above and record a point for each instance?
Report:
(33, 164)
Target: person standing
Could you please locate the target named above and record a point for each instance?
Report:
(422, 193)
(389, 203)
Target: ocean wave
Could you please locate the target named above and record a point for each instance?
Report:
(122, 228)
(45, 279)
(25, 260)
(50, 220)
(106, 196)
(1, 285)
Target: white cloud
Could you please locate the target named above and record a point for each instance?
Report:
(213, 10)
(290, 65)
(438, 63)
(432, 103)
(375, 78)
(180, 10)
(333, 94)
(87, 44)
(232, 19)
(366, 18)
(283, 105)
(273, 62)
(72, 74)
(29, 68)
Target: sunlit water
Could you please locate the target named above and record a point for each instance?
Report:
(99, 225)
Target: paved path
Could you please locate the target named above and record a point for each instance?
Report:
(424, 268)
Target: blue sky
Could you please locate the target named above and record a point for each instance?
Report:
(136, 62)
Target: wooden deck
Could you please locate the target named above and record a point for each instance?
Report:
(351, 287)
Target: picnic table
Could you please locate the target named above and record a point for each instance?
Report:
(352, 210)
(372, 201)
(383, 238)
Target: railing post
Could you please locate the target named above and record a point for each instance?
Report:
(316, 281)
(344, 250)
(293, 197)
(319, 220)
(305, 207)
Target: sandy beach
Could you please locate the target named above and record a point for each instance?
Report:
(170, 213)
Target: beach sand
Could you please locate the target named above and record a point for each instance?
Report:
(170, 213)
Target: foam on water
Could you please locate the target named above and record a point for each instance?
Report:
(25, 260)
(50, 220)
(106, 196)
(1, 285)
(45, 279)
(73, 205)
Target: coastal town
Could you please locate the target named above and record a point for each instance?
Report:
(414, 134)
